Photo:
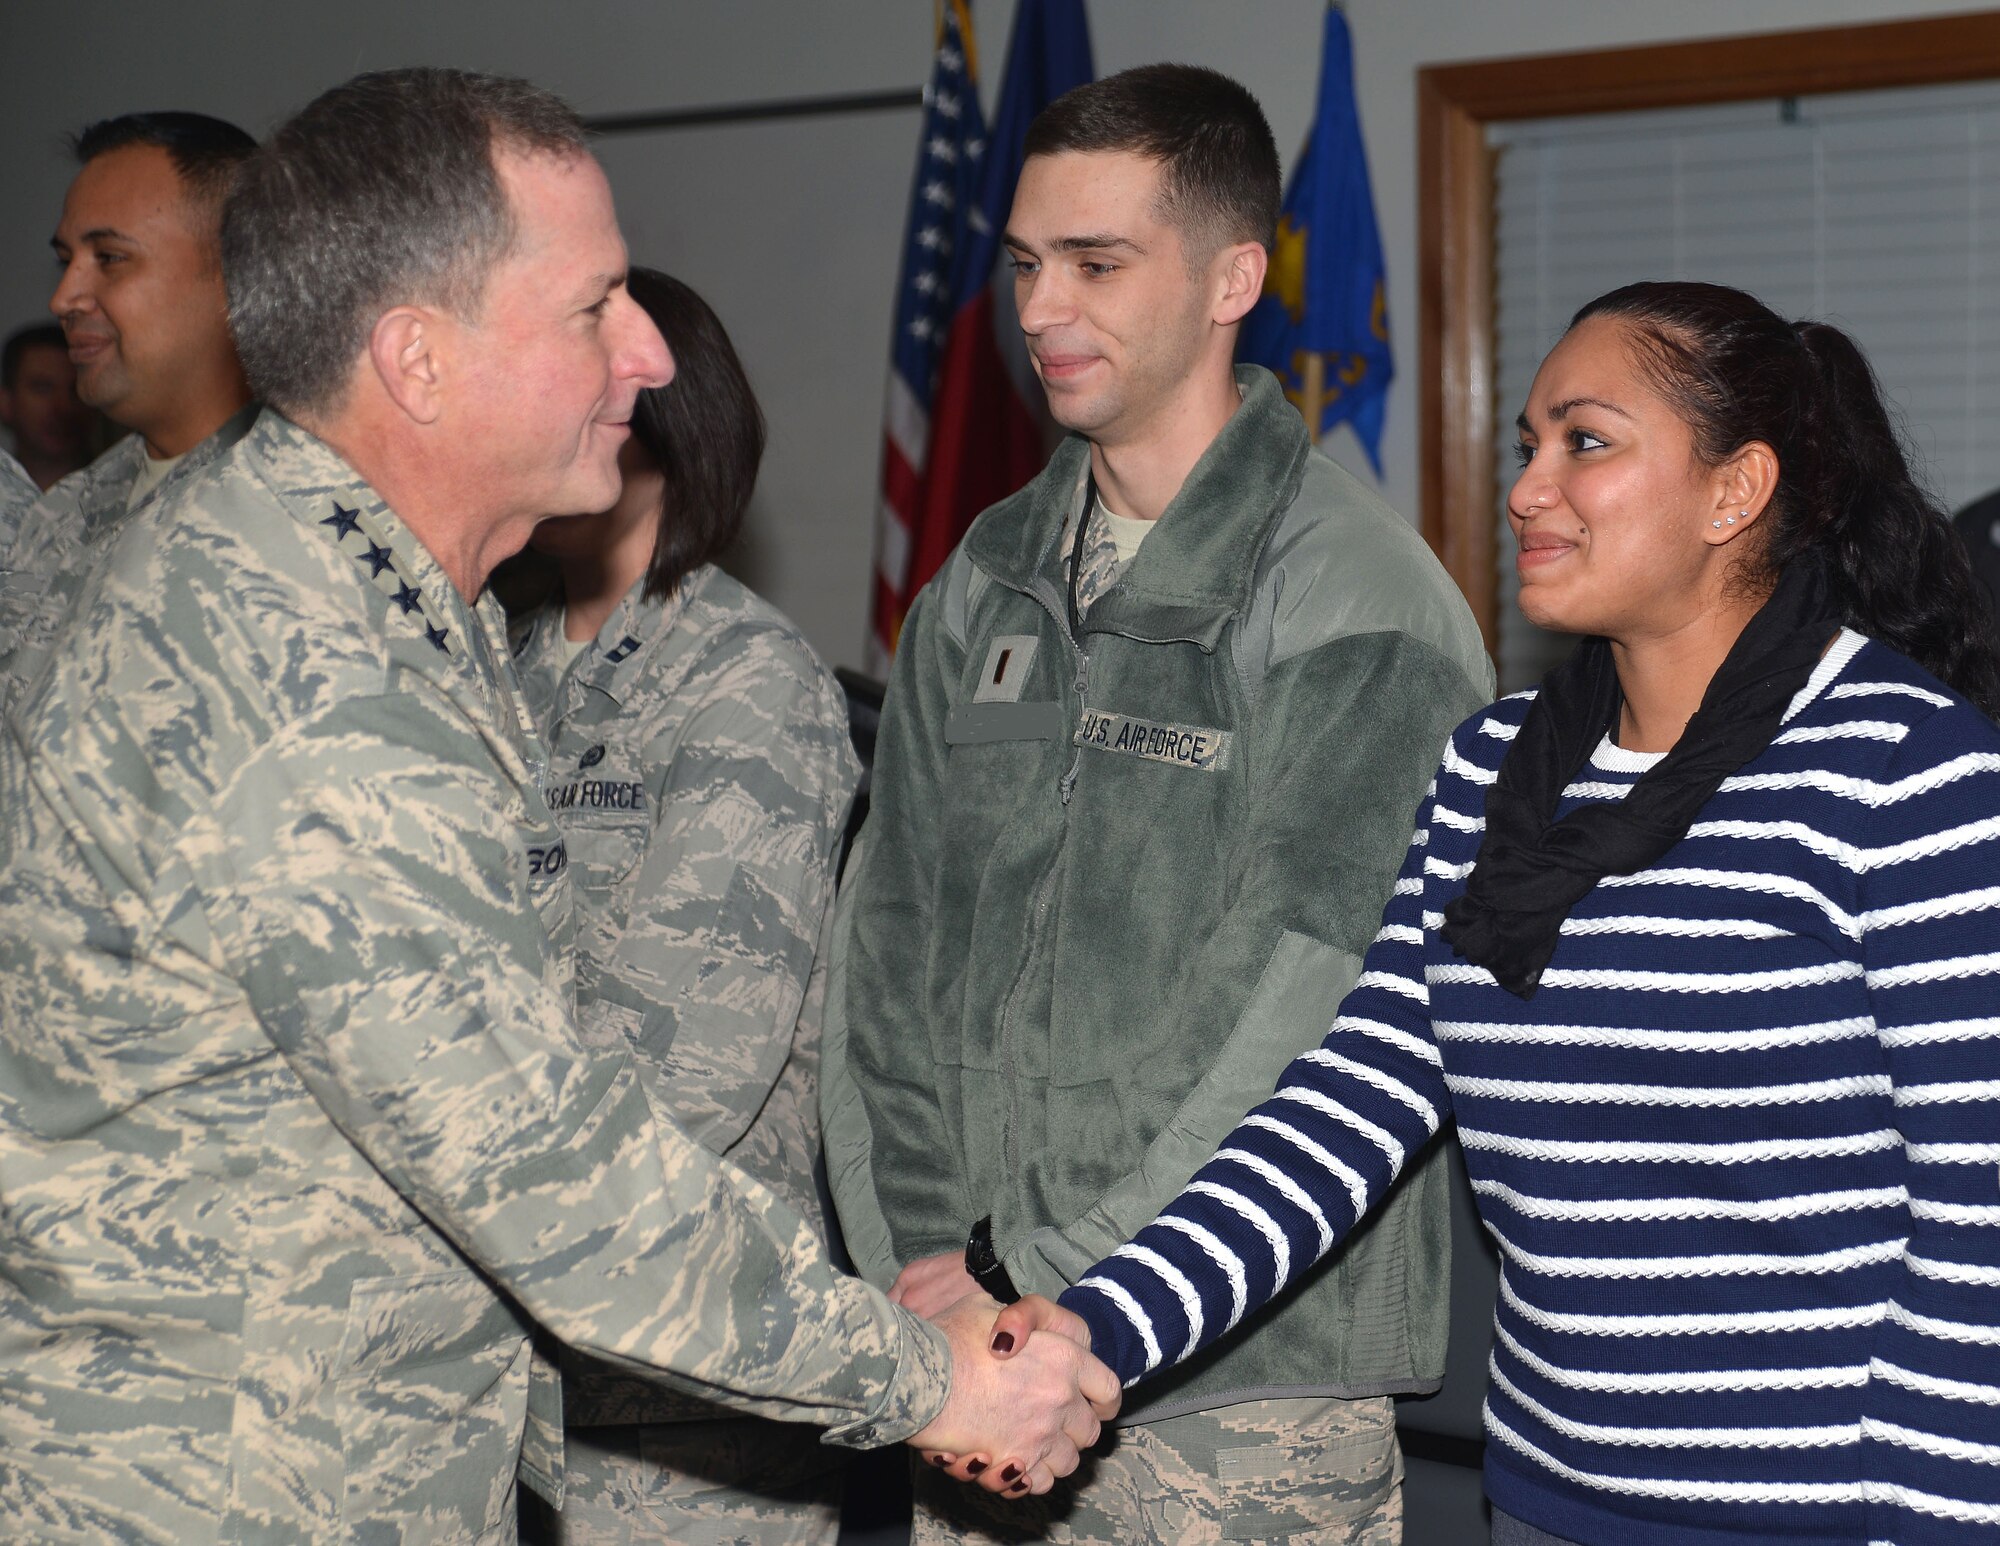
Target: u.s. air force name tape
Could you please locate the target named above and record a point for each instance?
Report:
(1182, 746)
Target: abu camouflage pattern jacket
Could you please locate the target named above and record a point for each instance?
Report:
(1111, 884)
(296, 1134)
(17, 494)
(48, 555)
(700, 772)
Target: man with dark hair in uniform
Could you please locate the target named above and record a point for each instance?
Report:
(141, 303)
(39, 406)
(1136, 810)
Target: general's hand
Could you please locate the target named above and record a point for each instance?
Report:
(932, 1283)
(1041, 1407)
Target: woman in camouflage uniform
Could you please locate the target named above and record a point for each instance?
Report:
(701, 774)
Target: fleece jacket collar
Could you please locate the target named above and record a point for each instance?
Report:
(1197, 567)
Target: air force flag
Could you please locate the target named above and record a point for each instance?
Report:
(1323, 324)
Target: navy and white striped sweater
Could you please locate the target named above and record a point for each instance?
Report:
(1740, 1153)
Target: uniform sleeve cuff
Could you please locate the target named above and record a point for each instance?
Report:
(915, 1396)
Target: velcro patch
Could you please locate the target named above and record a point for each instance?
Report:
(1181, 746)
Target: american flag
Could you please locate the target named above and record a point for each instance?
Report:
(943, 197)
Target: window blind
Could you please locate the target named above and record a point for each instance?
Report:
(1877, 211)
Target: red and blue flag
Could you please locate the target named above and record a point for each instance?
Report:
(965, 426)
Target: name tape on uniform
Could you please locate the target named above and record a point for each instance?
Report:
(596, 794)
(1180, 746)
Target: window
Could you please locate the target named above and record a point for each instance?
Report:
(1878, 211)
(1458, 106)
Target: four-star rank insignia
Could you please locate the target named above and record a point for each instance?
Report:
(379, 559)
(343, 521)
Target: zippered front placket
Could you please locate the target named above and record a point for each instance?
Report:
(1044, 594)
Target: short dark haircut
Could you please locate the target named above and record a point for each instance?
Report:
(379, 193)
(704, 430)
(36, 335)
(205, 151)
(1219, 183)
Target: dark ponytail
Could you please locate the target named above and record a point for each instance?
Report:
(1737, 372)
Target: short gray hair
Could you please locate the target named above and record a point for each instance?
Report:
(381, 192)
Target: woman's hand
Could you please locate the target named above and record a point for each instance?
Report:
(1030, 1392)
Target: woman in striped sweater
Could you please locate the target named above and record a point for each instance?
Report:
(1699, 947)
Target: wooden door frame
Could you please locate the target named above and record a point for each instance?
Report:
(1455, 103)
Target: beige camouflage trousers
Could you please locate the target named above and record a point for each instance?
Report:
(734, 1482)
(1300, 1471)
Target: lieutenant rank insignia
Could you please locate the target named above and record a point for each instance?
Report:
(357, 536)
(1006, 669)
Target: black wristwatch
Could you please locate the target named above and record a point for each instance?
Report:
(983, 1265)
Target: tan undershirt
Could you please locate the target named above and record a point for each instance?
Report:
(153, 471)
(1126, 533)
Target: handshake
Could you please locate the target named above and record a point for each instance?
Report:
(1026, 1396)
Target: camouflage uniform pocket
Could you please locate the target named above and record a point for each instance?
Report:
(431, 1396)
(1334, 1476)
(604, 852)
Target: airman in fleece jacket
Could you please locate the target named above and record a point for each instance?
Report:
(1112, 883)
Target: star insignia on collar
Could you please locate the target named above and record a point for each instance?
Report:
(437, 636)
(406, 598)
(377, 559)
(343, 521)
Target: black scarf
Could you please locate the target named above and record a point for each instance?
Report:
(1531, 871)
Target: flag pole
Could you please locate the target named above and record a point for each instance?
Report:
(1312, 394)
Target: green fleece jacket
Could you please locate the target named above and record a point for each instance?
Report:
(1112, 883)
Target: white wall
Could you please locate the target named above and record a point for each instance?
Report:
(792, 228)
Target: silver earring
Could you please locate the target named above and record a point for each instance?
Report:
(1732, 519)
(1716, 524)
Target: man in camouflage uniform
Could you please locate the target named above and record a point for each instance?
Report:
(17, 491)
(702, 775)
(296, 1134)
(54, 430)
(141, 301)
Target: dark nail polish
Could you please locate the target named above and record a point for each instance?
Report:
(1004, 1342)
(974, 1467)
(1010, 1473)
(939, 1461)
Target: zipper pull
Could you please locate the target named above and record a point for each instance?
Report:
(1067, 786)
